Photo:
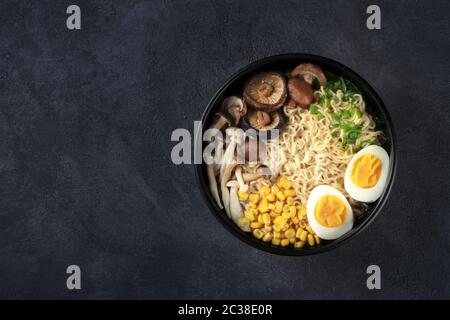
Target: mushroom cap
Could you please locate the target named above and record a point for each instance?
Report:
(250, 121)
(301, 92)
(309, 71)
(235, 107)
(266, 91)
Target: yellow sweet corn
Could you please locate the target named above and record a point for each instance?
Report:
(298, 233)
(267, 228)
(301, 210)
(263, 206)
(278, 207)
(310, 240)
(256, 225)
(258, 233)
(249, 215)
(292, 211)
(276, 241)
(267, 237)
(284, 242)
(295, 220)
(271, 197)
(253, 198)
(292, 240)
(274, 189)
(286, 214)
(260, 219)
(265, 190)
(243, 196)
(281, 196)
(316, 237)
(266, 218)
(309, 229)
(289, 193)
(277, 235)
(285, 183)
(271, 206)
(285, 227)
(304, 235)
(289, 233)
(299, 244)
(243, 222)
(290, 200)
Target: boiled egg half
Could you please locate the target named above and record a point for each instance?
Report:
(366, 174)
(329, 213)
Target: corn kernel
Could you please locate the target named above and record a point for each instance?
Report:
(292, 211)
(270, 197)
(266, 218)
(290, 200)
(254, 198)
(243, 196)
(243, 222)
(267, 228)
(310, 240)
(289, 193)
(275, 189)
(284, 242)
(299, 232)
(296, 220)
(263, 206)
(278, 207)
(309, 229)
(256, 225)
(301, 210)
(258, 233)
(304, 235)
(285, 183)
(271, 206)
(277, 235)
(276, 242)
(281, 196)
(286, 215)
(292, 240)
(303, 223)
(280, 220)
(265, 190)
(299, 244)
(249, 215)
(273, 214)
(267, 237)
(289, 233)
(260, 219)
(316, 237)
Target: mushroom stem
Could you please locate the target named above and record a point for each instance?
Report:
(213, 185)
(223, 186)
(243, 187)
(247, 177)
(235, 206)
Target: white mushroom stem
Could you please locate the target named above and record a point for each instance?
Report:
(228, 157)
(247, 177)
(213, 185)
(243, 187)
(223, 187)
(235, 206)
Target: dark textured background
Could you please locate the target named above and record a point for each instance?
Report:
(85, 170)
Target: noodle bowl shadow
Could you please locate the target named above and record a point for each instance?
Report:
(374, 106)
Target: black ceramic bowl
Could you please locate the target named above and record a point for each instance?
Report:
(374, 106)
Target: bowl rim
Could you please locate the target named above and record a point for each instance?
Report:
(246, 237)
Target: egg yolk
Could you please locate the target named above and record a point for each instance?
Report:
(330, 211)
(366, 171)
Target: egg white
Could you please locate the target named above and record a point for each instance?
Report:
(367, 194)
(327, 233)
